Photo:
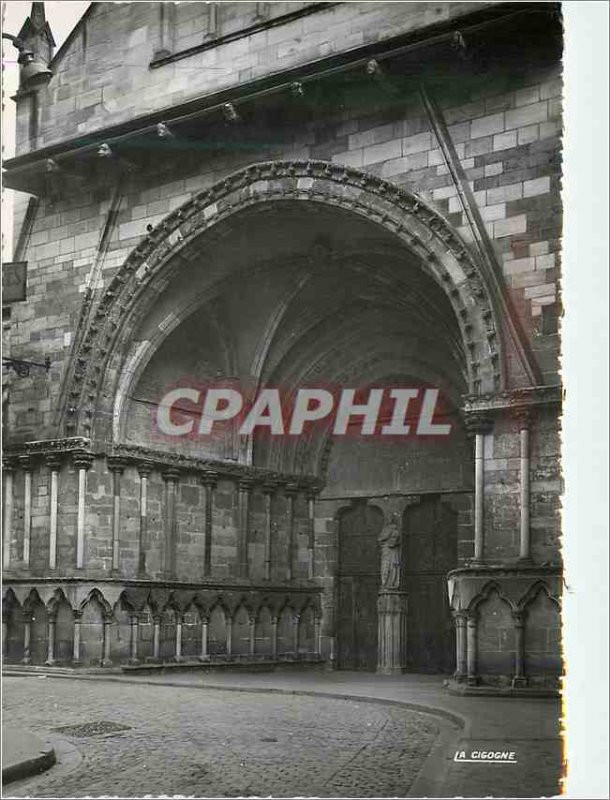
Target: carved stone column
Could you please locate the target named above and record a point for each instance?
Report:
(311, 518)
(295, 642)
(392, 600)
(524, 420)
(106, 661)
(460, 646)
(8, 469)
(268, 491)
(27, 636)
(230, 634)
(178, 654)
(82, 463)
(116, 467)
(519, 679)
(144, 470)
(317, 634)
(50, 640)
(28, 469)
(274, 624)
(54, 465)
(252, 621)
(204, 655)
(208, 480)
(156, 632)
(479, 426)
(471, 649)
(291, 491)
(392, 627)
(133, 638)
(245, 488)
(171, 477)
(76, 641)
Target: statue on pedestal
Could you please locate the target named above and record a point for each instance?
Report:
(390, 540)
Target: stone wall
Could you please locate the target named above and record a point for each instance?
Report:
(102, 74)
(515, 175)
(505, 126)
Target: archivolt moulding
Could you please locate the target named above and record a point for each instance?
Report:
(441, 252)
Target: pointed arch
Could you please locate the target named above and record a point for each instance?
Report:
(95, 595)
(56, 599)
(487, 590)
(533, 591)
(217, 627)
(13, 617)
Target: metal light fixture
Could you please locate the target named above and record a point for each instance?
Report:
(34, 74)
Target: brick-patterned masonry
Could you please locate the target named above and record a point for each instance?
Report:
(504, 122)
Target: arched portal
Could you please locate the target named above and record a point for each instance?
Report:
(302, 275)
(197, 245)
(288, 295)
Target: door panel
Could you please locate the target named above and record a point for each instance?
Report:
(358, 586)
(429, 552)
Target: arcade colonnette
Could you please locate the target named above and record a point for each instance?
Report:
(287, 194)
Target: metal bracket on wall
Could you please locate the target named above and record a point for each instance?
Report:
(22, 368)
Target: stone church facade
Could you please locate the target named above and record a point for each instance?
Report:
(345, 194)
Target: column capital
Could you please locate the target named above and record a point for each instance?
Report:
(82, 460)
(144, 468)
(26, 463)
(245, 484)
(9, 464)
(171, 475)
(53, 462)
(292, 489)
(208, 479)
(116, 464)
(519, 618)
(412, 500)
(478, 423)
(523, 416)
(269, 487)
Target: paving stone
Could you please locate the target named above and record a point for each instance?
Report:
(141, 740)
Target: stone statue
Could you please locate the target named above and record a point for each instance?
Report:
(390, 540)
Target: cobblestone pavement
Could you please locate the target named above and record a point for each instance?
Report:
(190, 741)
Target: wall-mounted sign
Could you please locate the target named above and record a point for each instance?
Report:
(14, 281)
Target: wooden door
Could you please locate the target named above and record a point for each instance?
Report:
(358, 580)
(429, 552)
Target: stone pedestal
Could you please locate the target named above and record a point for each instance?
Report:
(392, 636)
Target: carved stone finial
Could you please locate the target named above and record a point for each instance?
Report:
(230, 113)
(296, 89)
(163, 131)
(373, 67)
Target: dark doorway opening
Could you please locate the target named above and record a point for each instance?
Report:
(429, 553)
(358, 588)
